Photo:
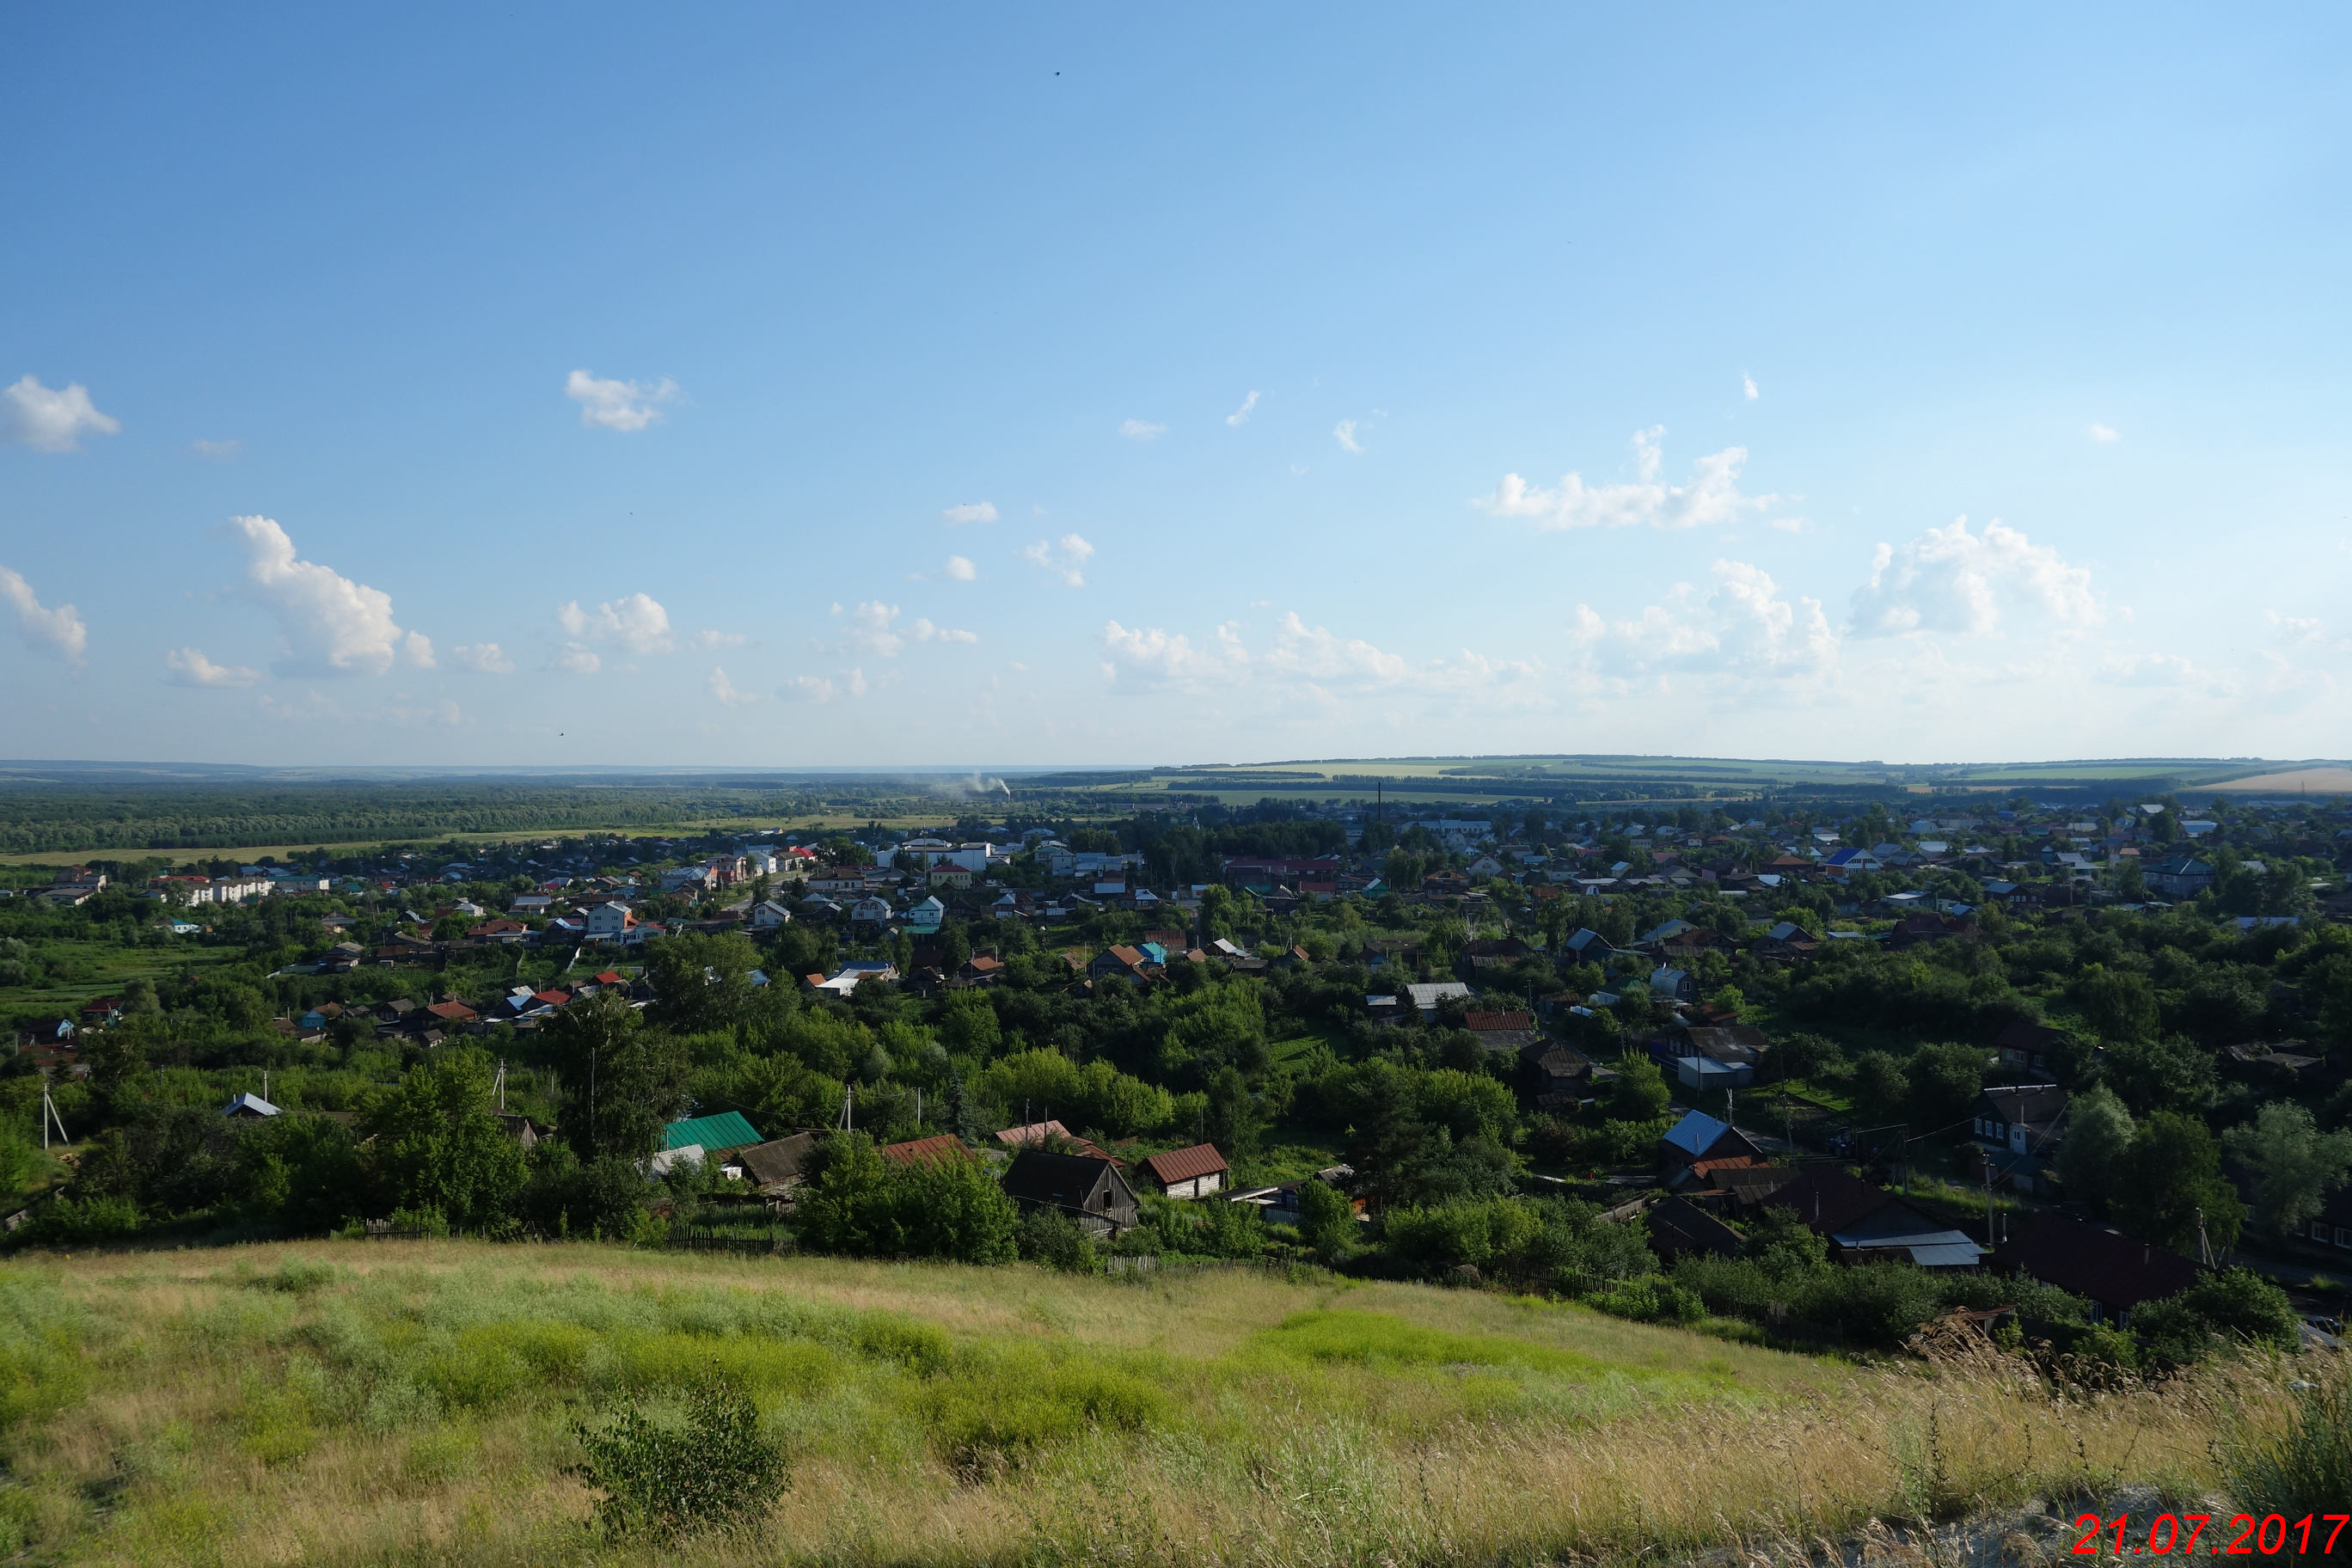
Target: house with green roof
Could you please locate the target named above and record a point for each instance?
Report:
(715, 1135)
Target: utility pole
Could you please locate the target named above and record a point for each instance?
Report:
(502, 1086)
(48, 1115)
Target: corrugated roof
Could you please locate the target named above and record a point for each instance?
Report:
(924, 1150)
(1696, 1132)
(726, 1131)
(1185, 1165)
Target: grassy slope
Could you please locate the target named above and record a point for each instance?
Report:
(412, 1401)
(94, 968)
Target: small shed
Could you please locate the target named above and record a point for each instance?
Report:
(249, 1108)
(1193, 1172)
(777, 1166)
(1088, 1190)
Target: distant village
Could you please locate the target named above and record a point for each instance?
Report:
(1545, 951)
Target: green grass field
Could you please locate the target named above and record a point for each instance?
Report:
(417, 1401)
(81, 970)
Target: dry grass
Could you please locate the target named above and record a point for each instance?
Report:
(413, 1403)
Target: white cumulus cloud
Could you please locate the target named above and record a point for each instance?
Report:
(189, 667)
(2102, 433)
(1240, 416)
(962, 570)
(868, 629)
(607, 404)
(923, 631)
(328, 625)
(576, 659)
(1344, 433)
(51, 421)
(721, 640)
(1315, 654)
(59, 630)
(970, 511)
(637, 623)
(723, 690)
(215, 451)
(482, 658)
(1742, 624)
(1712, 494)
(1949, 580)
(807, 688)
(1067, 558)
(1172, 659)
(1747, 387)
(1141, 429)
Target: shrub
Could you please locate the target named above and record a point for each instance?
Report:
(713, 1470)
(65, 1222)
(1054, 1238)
(1650, 1301)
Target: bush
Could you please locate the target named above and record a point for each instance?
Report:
(64, 1221)
(1649, 1300)
(1054, 1238)
(713, 1472)
(2235, 1306)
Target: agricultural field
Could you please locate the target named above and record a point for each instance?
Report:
(432, 1400)
(75, 971)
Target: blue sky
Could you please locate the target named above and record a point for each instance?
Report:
(767, 387)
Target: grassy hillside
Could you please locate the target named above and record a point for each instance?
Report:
(416, 1402)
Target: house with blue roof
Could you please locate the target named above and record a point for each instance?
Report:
(1700, 1137)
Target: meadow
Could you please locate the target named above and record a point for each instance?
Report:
(421, 1401)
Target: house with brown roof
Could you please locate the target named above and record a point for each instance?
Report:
(936, 1150)
(2115, 1272)
(1131, 962)
(1192, 1172)
(1050, 1135)
(2033, 1047)
(1678, 1227)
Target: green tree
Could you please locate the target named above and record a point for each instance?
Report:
(1942, 1083)
(1640, 1093)
(2171, 1186)
(2295, 1166)
(1327, 1220)
(1880, 1088)
(304, 1169)
(2097, 1143)
(2117, 1004)
(621, 1081)
(1232, 1117)
(439, 1144)
(955, 946)
(702, 984)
